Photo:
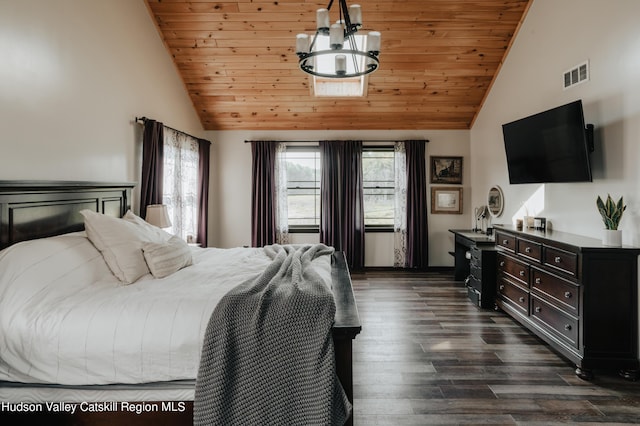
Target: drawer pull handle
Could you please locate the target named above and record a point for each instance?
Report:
(502, 263)
(557, 259)
(501, 286)
(538, 309)
(567, 327)
(505, 242)
(527, 250)
(538, 280)
(521, 299)
(522, 273)
(567, 294)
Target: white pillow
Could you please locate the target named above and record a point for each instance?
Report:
(120, 242)
(166, 258)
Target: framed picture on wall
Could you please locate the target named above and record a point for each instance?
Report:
(446, 200)
(446, 169)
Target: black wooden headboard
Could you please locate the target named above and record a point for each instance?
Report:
(37, 209)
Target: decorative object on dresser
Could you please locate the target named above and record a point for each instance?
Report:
(611, 213)
(480, 213)
(574, 293)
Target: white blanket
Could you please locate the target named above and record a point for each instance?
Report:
(64, 318)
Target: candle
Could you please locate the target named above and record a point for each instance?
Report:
(373, 41)
(322, 19)
(355, 14)
(341, 64)
(302, 43)
(336, 36)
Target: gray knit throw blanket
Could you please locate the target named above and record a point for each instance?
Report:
(268, 355)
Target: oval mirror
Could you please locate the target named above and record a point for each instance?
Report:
(495, 201)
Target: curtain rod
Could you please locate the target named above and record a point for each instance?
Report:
(143, 119)
(366, 141)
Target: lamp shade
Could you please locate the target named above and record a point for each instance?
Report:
(158, 215)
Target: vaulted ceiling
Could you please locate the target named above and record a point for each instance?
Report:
(237, 60)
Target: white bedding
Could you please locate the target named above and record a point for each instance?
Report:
(65, 318)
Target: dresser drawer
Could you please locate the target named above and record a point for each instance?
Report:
(508, 242)
(563, 260)
(554, 320)
(529, 249)
(559, 292)
(513, 295)
(476, 271)
(516, 269)
(475, 283)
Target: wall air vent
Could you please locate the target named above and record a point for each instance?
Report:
(576, 75)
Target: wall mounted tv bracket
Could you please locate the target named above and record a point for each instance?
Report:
(589, 132)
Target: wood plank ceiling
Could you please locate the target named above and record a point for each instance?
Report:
(238, 62)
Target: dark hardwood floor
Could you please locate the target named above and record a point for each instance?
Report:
(426, 355)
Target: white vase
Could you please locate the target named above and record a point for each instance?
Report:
(612, 237)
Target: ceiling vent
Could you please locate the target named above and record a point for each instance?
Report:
(576, 75)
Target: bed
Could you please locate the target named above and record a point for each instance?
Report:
(136, 385)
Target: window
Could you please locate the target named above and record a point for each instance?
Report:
(378, 181)
(180, 183)
(303, 188)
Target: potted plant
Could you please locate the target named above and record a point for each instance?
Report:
(611, 213)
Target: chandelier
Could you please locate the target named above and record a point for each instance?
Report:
(337, 45)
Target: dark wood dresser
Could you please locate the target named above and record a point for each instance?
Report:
(475, 264)
(574, 293)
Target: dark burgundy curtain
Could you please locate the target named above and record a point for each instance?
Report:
(204, 148)
(417, 232)
(263, 208)
(342, 206)
(330, 194)
(152, 165)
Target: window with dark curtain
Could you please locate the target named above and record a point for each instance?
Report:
(341, 210)
(175, 172)
(417, 233)
(263, 206)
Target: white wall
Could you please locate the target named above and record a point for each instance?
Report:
(556, 36)
(231, 213)
(73, 76)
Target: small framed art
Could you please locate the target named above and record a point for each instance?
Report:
(446, 200)
(446, 169)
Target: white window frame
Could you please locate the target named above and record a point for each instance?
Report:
(291, 186)
(367, 185)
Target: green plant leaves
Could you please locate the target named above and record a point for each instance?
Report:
(610, 211)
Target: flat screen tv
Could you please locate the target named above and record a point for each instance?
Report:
(551, 146)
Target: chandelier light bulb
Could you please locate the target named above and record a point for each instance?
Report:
(355, 14)
(341, 64)
(302, 43)
(373, 41)
(336, 36)
(322, 20)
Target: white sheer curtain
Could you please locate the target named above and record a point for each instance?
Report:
(180, 181)
(400, 215)
(282, 217)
